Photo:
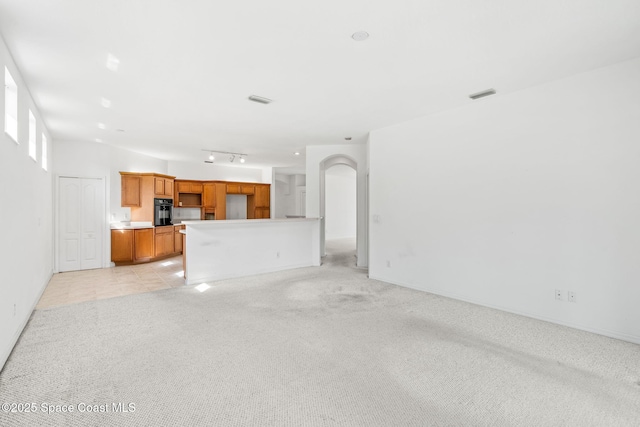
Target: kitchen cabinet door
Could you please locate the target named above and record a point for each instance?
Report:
(209, 195)
(189, 187)
(247, 189)
(164, 240)
(158, 187)
(221, 200)
(262, 196)
(263, 213)
(130, 187)
(177, 239)
(143, 244)
(121, 245)
(168, 188)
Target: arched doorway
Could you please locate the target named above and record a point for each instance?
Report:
(326, 164)
(340, 218)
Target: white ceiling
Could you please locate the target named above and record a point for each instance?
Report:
(187, 67)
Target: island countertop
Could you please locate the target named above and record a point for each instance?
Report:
(222, 222)
(222, 249)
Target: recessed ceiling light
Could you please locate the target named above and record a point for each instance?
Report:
(360, 36)
(101, 125)
(260, 99)
(98, 140)
(296, 153)
(105, 103)
(482, 94)
(112, 62)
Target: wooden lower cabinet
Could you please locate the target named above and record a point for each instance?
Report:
(177, 239)
(143, 244)
(164, 237)
(131, 246)
(262, 213)
(122, 245)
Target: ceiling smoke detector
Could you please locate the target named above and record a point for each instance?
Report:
(260, 99)
(482, 94)
(360, 36)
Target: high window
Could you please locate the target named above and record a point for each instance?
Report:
(10, 106)
(44, 152)
(32, 136)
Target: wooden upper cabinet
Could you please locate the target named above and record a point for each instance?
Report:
(189, 187)
(221, 200)
(196, 187)
(239, 188)
(263, 197)
(130, 186)
(168, 188)
(209, 195)
(247, 189)
(163, 187)
(159, 186)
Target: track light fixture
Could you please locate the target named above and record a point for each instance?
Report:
(232, 156)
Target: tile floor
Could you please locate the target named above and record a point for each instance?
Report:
(90, 285)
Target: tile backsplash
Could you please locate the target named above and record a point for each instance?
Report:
(185, 214)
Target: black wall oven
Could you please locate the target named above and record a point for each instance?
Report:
(163, 212)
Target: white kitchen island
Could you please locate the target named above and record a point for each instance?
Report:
(223, 249)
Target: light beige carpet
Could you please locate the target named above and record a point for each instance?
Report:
(314, 347)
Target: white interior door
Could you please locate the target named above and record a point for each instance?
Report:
(81, 222)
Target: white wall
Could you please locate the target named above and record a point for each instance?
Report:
(513, 196)
(213, 172)
(315, 155)
(340, 207)
(27, 215)
(286, 188)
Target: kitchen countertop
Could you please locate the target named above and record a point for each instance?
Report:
(133, 225)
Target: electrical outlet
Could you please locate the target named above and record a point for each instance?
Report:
(572, 297)
(559, 295)
(388, 263)
(277, 254)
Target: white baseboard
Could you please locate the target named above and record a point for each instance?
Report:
(4, 356)
(605, 332)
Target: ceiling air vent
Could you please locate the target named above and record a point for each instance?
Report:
(260, 99)
(482, 94)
